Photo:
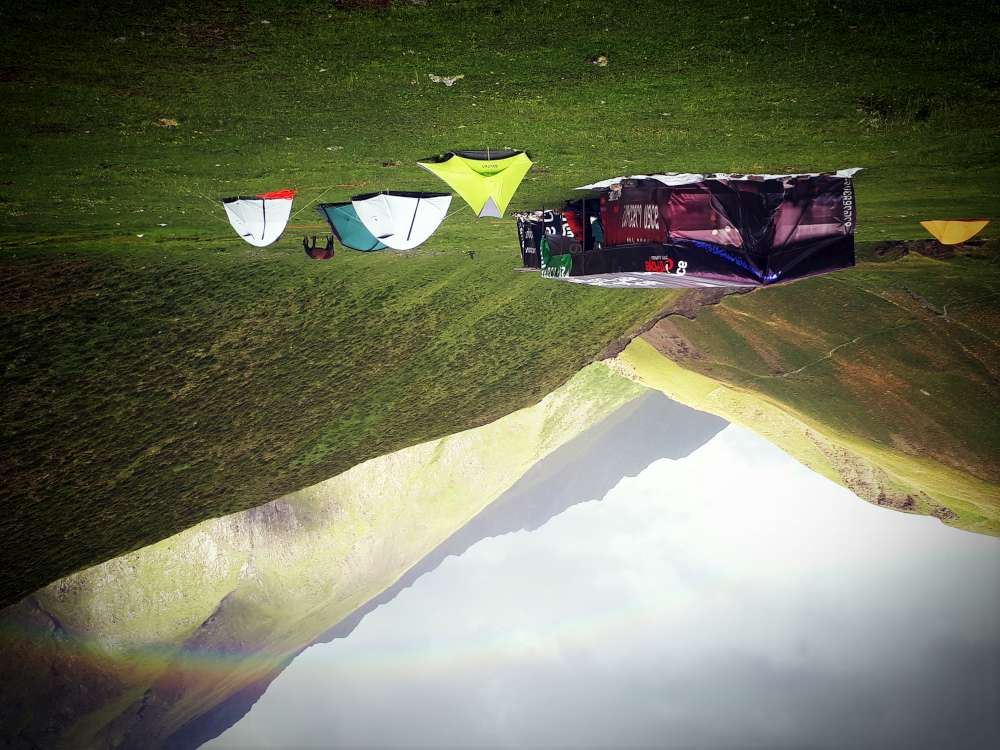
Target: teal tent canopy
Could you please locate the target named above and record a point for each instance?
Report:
(347, 226)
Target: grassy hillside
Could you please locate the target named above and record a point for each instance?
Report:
(157, 371)
(156, 391)
(137, 647)
(884, 378)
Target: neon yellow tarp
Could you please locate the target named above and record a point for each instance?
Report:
(485, 180)
(951, 232)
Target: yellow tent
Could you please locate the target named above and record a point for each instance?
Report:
(954, 231)
(486, 180)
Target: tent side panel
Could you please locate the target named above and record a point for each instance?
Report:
(696, 259)
(812, 230)
(455, 173)
(509, 180)
(708, 227)
(347, 227)
(533, 227)
(402, 220)
(276, 213)
(955, 231)
(529, 235)
(810, 258)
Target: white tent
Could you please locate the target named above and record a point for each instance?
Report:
(402, 220)
(260, 220)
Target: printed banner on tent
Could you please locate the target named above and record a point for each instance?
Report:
(557, 257)
(532, 228)
(763, 230)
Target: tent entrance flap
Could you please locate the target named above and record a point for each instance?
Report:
(491, 208)
(347, 227)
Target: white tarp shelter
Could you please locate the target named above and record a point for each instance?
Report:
(402, 220)
(260, 219)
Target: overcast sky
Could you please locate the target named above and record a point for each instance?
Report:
(728, 599)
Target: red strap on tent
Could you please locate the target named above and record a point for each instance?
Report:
(278, 194)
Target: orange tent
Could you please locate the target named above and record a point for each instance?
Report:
(954, 231)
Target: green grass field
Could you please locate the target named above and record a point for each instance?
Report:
(883, 378)
(906, 353)
(158, 375)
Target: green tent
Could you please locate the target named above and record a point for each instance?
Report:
(486, 180)
(348, 227)
(556, 264)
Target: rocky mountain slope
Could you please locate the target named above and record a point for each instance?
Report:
(127, 652)
(883, 377)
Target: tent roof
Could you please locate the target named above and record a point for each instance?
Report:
(486, 155)
(276, 195)
(954, 231)
(674, 179)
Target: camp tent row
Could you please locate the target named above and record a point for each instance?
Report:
(486, 180)
(707, 229)
(400, 220)
(689, 229)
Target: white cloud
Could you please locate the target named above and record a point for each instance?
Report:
(732, 596)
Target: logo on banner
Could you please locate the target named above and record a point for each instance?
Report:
(665, 264)
(640, 216)
(848, 198)
(557, 266)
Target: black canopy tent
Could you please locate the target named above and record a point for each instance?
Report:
(742, 229)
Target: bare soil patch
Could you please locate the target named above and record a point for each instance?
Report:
(687, 305)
